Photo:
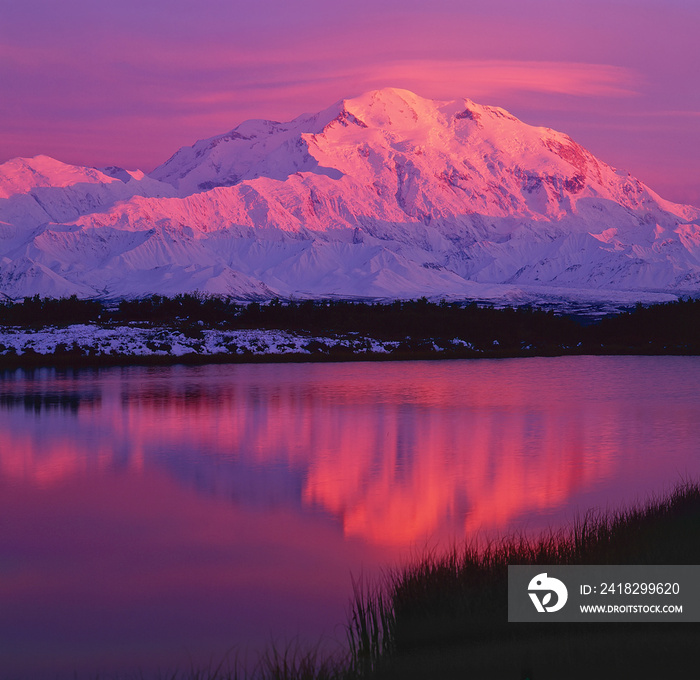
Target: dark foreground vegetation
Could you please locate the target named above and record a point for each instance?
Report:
(420, 328)
(445, 615)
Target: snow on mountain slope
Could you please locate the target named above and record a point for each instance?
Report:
(37, 190)
(384, 195)
(256, 148)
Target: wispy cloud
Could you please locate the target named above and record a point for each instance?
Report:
(493, 77)
(431, 77)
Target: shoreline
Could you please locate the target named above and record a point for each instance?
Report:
(195, 330)
(69, 360)
(93, 345)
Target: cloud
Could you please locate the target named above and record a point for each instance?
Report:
(496, 77)
(292, 87)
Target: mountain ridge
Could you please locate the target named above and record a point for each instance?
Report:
(382, 195)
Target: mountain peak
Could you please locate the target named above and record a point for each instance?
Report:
(386, 194)
(20, 175)
(391, 106)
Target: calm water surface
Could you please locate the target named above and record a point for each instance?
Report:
(155, 517)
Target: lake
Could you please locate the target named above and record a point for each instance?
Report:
(154, 518)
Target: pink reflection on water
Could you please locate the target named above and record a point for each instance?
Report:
(394, 459)
(161, 515)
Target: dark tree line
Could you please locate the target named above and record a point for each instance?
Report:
(38, 312)
(670, 327)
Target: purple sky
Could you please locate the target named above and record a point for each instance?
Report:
(129, 82)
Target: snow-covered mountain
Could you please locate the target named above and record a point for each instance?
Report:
(384, 195)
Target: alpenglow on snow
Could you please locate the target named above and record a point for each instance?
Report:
(387, 195)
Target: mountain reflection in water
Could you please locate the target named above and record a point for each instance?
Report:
(397, 452)
(153, 517)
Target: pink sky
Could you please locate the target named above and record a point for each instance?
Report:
(128, 83)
